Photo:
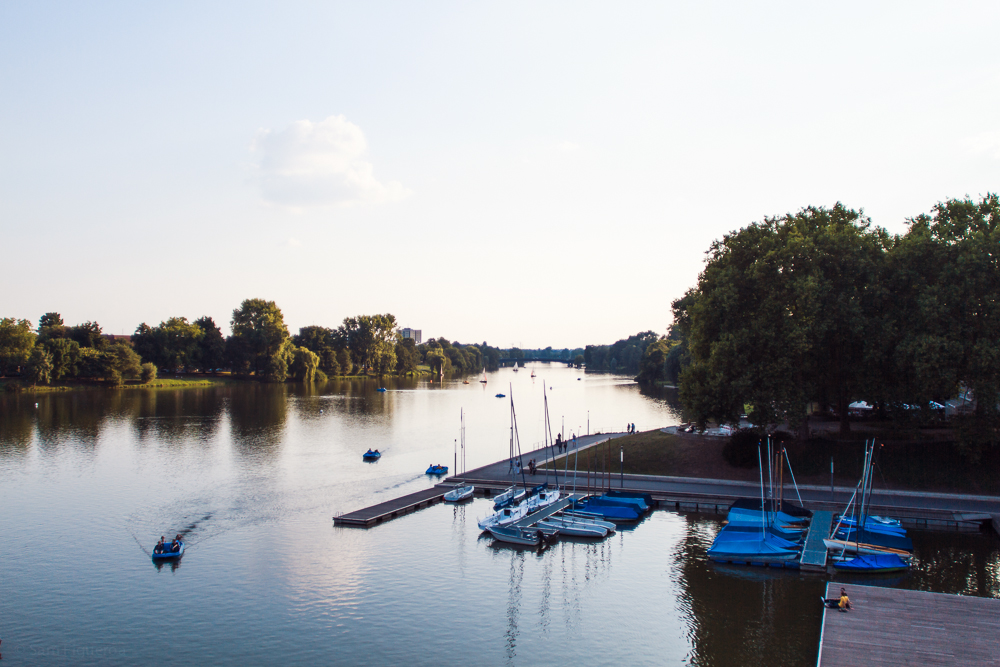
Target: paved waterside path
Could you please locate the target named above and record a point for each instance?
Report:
(889, 627)
(914, 508)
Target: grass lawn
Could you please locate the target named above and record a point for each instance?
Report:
(921, 466)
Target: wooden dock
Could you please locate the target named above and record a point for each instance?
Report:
(545, 512)
(814, 551)
(390, 509)
(888, 627)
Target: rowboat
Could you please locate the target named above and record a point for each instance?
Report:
(371, 456)
(437, 470)
(167, 554)
(459, 493)
(573, 528)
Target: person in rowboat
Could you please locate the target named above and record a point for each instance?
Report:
(158, 549)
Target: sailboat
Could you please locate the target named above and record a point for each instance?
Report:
(532, 372)
(733, 545)
(512, 504)
(876, 549)
(460, 493)
(484, 375)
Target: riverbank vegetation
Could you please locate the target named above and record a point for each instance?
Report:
(819, 309)
(260, 348)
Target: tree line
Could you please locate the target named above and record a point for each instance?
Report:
(260, 346)
(821, 307)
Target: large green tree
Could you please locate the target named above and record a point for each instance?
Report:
(942, 312)
(371, 340)
(16, 342)
(780, 317)
(211, 353)
(262, 338)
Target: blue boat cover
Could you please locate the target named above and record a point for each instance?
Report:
(749, 549)
(865, 536)
(873, 563)
(739, 534)
(750, 528)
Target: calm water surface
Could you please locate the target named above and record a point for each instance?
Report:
(253, 474)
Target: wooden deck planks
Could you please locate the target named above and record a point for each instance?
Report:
(390, 509)
(814, 551)
(889, 627)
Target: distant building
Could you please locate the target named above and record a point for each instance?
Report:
(416, 334)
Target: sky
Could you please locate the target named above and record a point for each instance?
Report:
(520, 173)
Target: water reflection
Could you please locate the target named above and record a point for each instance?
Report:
(257, 415)
(743, 616)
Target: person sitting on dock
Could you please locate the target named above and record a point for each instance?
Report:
(845, 602)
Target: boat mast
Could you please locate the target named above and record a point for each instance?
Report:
(760, 467)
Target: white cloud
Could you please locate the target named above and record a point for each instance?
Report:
(319, 164)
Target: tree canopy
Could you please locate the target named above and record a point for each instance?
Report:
(820, 306)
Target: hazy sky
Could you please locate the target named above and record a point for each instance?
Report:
(539, 173)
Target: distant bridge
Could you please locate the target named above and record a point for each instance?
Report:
(511, 360)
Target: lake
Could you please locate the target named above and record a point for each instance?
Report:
(252, 476)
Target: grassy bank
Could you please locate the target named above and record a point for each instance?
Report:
(918, 466)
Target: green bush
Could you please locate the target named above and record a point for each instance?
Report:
(13, 386)
(321, 376)
(741, 450)
(147, 372)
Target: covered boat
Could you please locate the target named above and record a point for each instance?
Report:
(873, 563)
(459, 493)
(759, 551)
(607, 510)
(893, 541)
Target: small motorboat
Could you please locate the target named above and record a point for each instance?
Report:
(437, 470)
(501, 395)
(459, 493)
(167, 551)
(529, 537)
(465, 382)
(371, 455)
(380, 389)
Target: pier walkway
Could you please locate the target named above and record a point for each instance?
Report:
(889, 627)
(545, 512)
(390, 509)
(814, 551)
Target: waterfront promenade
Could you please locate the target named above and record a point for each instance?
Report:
(914, 508)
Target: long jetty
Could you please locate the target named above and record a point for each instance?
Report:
(891, 627)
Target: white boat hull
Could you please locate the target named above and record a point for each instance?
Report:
(459, 493)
